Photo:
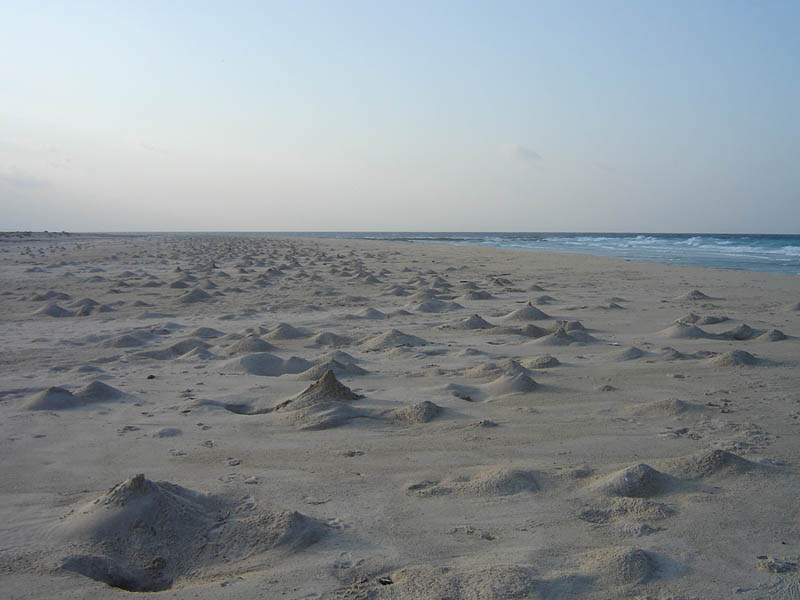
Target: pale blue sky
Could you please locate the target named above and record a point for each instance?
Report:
(589, 116)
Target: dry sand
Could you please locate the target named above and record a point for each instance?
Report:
(246, 417)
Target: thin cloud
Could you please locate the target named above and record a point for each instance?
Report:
(604, 168)
(520, 152)
(15, 178)
(152, 148)
(527, 153)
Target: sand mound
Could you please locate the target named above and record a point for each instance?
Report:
(735, 358)
(88, 309)
(144, 536)
(435, 306)
(393, 338)
(773, 335)
(56, 398)
(470, 323)
(425, 294)
(97, 391)
(90, 302)
(617, 567)
(326, 339)
(439, 282)
(147, 315)
(508, 366)
(494, 481)
(340, 369)
(395, 290)
(669, 407)
(510, 384)
(545, 361)
(563, 337)
(366, 277)
(712, 320)
(266, 364)
(206, 333)
(325, 415)
(694, 295)
(670, 353)
(198, 354)
(83, 369)
(629, 353)
(622, 509)
(708, 463)
(285, 331)
(129, 340)
(342, 357)
(498, 281)
(690, 319)
(322, 405)
(54, 310)
(471, 295)
(421, 412)
(694, 319)
(326, 389)
(439, 583)
(368, 313)
(194, 296)
(153, 284)
(84, 311)
(50, 295)
(529, 330)
(526, 313)
(248, 345)
(683, 331)
(372, 313)
(637, 481)
(53, 398)
(559, 337)
(743, 332)
(502, 481)
(175, 350)
(571, 325)
(464, 392)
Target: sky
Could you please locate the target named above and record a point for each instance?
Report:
(657, 116)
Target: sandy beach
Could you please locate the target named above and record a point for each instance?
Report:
(209, 416)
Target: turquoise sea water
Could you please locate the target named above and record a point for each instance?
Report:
(749, 252)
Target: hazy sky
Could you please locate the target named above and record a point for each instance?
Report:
(400, 115)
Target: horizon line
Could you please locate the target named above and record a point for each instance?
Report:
(384, 231)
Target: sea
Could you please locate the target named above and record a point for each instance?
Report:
(748, 252)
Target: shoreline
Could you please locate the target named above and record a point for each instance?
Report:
(758, 253)
(545, 254)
